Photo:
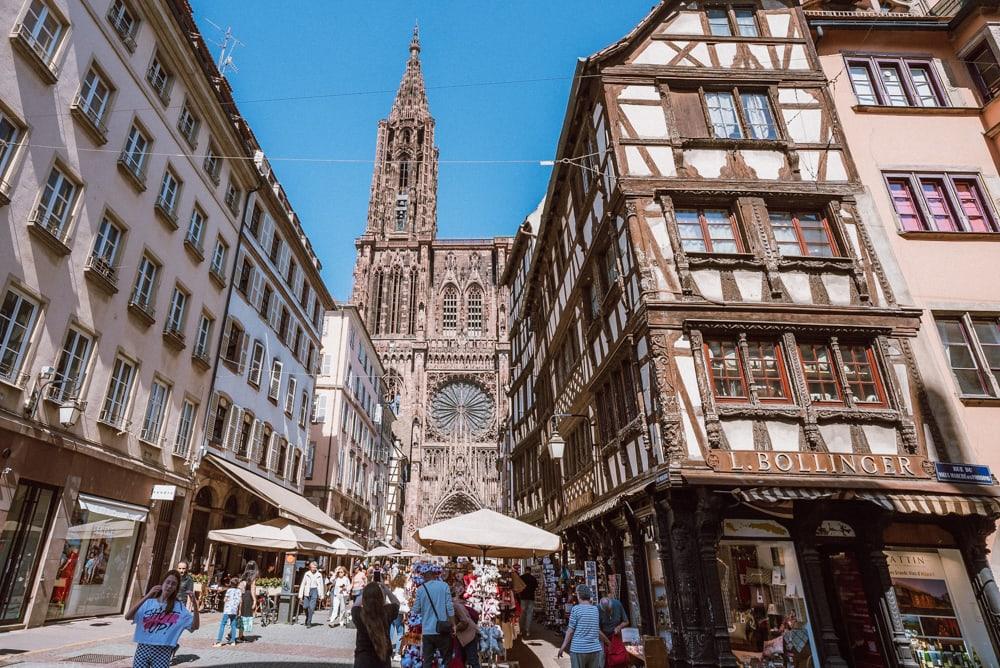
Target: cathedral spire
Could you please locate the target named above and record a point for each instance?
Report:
(411, 99)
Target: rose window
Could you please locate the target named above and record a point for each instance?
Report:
(461, 408)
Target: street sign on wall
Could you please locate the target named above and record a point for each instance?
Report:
(973, 474)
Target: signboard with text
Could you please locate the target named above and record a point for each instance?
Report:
(821, 463)
(972, 474)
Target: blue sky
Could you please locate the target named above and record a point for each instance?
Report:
(350, 58)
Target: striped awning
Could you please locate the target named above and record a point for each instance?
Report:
(920, 504)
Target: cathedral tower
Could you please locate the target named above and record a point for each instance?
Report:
(437, 317)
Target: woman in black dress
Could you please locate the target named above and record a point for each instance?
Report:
(373, 648)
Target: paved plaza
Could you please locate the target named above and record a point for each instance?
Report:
(108, 642)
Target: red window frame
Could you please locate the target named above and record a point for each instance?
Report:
(715, 378)
(755, 346)
(963, 204)
(814, 359)
(706, 237)
(797, 229)
(849, 355)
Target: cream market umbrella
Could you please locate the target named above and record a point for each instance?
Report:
(277, 534)
(485, 533)
(347, 547)
(383, 551)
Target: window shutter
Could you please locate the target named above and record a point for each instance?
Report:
(225, 338)
(256, 441)
(244, 345)
(284, 255)
(256, 288)
(233, 427)
(213, 405)
(688, 113)
(267, 232)
(272, 315)
(274, 451)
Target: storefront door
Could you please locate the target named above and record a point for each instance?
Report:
(856, 627)
(21, 544)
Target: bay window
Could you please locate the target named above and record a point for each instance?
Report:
(708, 231)
(804, 233)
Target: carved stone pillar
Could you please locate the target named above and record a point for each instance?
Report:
(811, 567)
(972, 536)
(875, 568)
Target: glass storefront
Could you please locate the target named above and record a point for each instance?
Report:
(940, 613)
(97, 559)
(21, 542)
(764, 602)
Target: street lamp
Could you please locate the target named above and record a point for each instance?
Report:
(69, 414)
(557, 444)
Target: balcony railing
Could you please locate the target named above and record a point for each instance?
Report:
(200, 355)
(160, 85)
(99, 270)
(167, 211)
(125, 30)
(115, 418)
(134, 166)
(92, 121)
(37, 54)
(212, 166)
(194, 247)
(50, 230)
(143, 307)
(174, 335)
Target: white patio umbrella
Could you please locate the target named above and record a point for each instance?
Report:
(277, 534)
(346, 547)
(485, 533)
(383, 551)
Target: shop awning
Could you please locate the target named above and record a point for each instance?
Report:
(290, 504)
(592, 512)
(923, 504)
(109, 508)
(276, 534)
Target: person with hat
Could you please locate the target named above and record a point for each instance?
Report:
(583, 635)
(436, 612)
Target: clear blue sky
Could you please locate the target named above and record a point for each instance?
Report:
(331, 49)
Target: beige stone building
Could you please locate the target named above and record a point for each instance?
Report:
(114, 277)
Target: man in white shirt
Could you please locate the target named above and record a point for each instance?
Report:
(311, 590)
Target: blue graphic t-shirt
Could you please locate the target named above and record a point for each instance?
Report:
(155, 626)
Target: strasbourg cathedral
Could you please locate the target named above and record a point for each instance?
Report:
(438, 318)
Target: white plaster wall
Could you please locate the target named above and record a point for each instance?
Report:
(797, 284)
(739, 433)
(709, 163)
(684, 23)
(881, 440)
(837, 437)
(784, 435)
(838, 288)
(750, 284)
(648, 120)
(709, 283)
(767, 164)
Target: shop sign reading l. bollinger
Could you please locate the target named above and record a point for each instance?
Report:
(821, 463)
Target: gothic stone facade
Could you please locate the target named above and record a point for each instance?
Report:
(437, 316)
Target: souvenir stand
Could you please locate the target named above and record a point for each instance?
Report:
(488, 588)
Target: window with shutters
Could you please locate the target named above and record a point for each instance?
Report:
(232, 427)
(245, 279)
(280, 457)
(18, 315)
(234, 345)
(264, 450)
(219, 421)
(941, 202)
(303, 409)
(293, 470)
(274, 389)
(243, 441)
(266, 301)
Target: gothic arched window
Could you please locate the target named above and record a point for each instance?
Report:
(412, 325)
(404, 173)
(395, 300)
(474, 306)
(449, 310)
(376, 307)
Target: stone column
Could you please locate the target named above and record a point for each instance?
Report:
(642, 583)
(811, 567)
(973, 535)
(875, 567)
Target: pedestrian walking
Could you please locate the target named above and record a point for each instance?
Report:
(160, 618)
(310, 591)
(187, 583)
(340, 591)
(373, 647)
(358, 583)
(583, 635)
(247, 605)
(526, 597)
(466, 629)
(398, 629)
(437, 614)
(230, 614)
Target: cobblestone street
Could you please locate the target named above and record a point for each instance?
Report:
(108, 642)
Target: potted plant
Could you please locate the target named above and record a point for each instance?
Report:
(272, 586)
(200, 583)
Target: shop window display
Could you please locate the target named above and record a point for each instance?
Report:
(97, 559)
(938, 609)
(764, 605)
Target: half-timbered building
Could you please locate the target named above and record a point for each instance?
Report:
(747, 447)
